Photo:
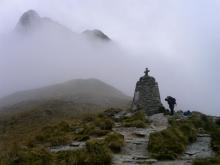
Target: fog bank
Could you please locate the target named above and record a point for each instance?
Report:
(177, 41)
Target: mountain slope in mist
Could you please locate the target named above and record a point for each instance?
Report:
(31, 21)
(41, 52)
(80, 91)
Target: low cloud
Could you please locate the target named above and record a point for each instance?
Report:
(178, 41)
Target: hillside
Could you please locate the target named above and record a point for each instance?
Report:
(78, 91)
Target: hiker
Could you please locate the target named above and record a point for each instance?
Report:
(187, 113)
(171, 102)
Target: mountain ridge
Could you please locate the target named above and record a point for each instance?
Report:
(31, 20)
(90, 91)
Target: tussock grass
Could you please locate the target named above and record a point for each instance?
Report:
(28, 145)
(114, 141)
(136, 120)
(170, 143)
(211, 161)
(95, 153)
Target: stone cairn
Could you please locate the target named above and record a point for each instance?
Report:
(147, 95)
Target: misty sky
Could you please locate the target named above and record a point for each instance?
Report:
(178, 41)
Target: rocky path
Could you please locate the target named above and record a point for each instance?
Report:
(136, 141)
(135, 148)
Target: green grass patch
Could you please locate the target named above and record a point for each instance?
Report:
(57, 134)
(114, 141)
(211, 161)
(216, 140)
(167, 144)
(218, 122)
(170, 143)
(96, 152)
(26, 147)
(104, 122)
(25, 156)
(136, 120)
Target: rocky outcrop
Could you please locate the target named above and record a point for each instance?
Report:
(96, 34)
(159, 120)
(147, 95)
(28, 21)
(200, 149)
(70, 147)
(29, 17)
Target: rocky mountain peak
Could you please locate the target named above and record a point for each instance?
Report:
(29, 18)
(98, 34)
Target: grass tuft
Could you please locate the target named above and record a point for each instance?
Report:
(136, 120)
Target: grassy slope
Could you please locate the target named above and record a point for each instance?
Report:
(90, 91)
(25, 137)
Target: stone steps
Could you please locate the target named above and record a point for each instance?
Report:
(135, 148)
